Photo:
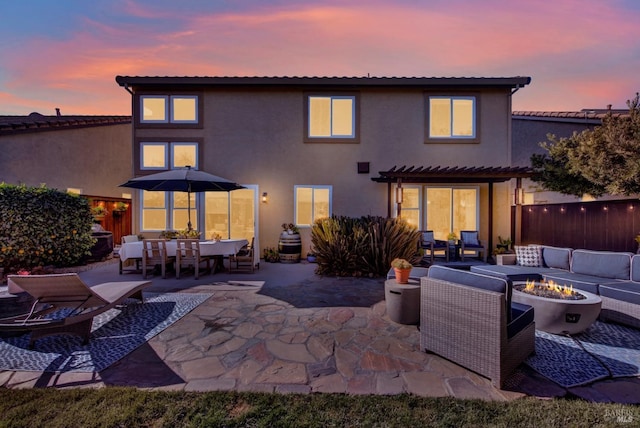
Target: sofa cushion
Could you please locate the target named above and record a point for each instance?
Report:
(476, 280)
(521, 316)
(558, 258)
(626, 291)
(635, 268)
(587, 283)
(605, 264)
(530, 256)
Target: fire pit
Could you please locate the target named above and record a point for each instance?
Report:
(558, 309)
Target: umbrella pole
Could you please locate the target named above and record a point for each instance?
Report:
(189, 208)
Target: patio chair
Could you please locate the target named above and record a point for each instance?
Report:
(469, 319)
(125, 240)
(469, 241)
(430, 245)
(188, 255)
(64, 304)
(243, 259)
(154, 252)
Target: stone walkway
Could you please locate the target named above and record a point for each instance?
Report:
(309, 335)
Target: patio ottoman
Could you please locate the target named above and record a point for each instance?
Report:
(403, 301)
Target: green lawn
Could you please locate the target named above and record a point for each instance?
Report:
(128, 407)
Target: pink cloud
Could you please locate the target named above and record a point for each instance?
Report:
(559, 44)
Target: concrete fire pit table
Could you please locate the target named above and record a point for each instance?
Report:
(560, 316)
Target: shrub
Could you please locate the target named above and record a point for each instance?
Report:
(42, 227)
(347, 246)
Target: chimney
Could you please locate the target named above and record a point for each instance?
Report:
(609, 107)
(58, 112)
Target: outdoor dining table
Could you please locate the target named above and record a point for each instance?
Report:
(226, 247)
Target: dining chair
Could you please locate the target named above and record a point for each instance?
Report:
(243, 259)
(154, 252)
(188, 255)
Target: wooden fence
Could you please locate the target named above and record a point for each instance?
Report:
(599, 225)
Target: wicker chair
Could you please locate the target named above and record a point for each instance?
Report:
(468, 318)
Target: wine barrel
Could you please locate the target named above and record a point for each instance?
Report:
(289, 247)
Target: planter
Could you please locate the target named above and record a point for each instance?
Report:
(289, 247)
(402, 275)
(311, 259)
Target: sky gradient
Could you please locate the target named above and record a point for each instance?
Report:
(66, 53)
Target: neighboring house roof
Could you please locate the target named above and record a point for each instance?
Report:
(195, 81)
(584, 116)
(456, 174)
(36, 122)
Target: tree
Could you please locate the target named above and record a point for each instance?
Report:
(603, 160)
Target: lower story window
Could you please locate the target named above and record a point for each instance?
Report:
(311, 203)
(168, 211)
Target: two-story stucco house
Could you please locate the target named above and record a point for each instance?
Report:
(309, 147)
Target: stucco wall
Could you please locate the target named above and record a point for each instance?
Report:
(94, 159)
(256, 137)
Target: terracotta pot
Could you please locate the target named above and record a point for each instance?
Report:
(402, 275)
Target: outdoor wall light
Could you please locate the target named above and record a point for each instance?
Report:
(399, 195)
(264, 197)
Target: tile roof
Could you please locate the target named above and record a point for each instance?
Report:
(593, 116)
(133, 81)
(36, 122)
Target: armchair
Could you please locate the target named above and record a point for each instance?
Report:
(430, 245)
(469, 319)
(244, 259)
(469, 241)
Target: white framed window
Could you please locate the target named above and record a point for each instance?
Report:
(411, 207)
(167, 211)
(178, 109)
(168, 155)
(311, 203)
(184, 109)
(451, 117)
(331, 117)
(154, 108)
(154, 156)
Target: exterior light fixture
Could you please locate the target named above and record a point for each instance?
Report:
(264, 197)
(399, 195)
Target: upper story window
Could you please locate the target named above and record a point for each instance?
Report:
(311, 203)
(331, 118)
(168, 155)
(451, 117)
(170, 109)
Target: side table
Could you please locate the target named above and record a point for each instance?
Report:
(403, 301)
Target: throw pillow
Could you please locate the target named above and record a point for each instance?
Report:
(530, 256)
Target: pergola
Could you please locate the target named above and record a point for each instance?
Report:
(457, 175)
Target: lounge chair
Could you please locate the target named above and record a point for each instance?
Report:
(64, 304)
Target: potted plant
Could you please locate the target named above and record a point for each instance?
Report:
(504, 245)
(290, 244)
(270, 255)
(402, 268)
(119, 208)
(311, 256)
(637, 238)
(99, 211)
(451, 237)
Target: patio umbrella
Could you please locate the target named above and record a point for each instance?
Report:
(183, 180)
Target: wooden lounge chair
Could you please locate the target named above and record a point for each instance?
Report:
(64, 304)
(243, 260)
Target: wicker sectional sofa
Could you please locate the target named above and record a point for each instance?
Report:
(614, 276)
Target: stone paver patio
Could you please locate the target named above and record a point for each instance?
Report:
(284, 329)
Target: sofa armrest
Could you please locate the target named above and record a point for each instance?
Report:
(506, 259)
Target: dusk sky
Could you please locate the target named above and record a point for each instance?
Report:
(67, 53)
